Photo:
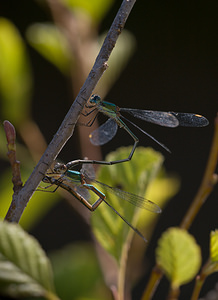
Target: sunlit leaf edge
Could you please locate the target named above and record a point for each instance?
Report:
(178, 255)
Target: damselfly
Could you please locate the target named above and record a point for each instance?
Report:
(79, 184)
(108, 130)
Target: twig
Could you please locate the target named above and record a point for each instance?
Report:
(208, 182)
(173, 293)
(67, 127)
(15, 164)
(200, 279)
(154, 280)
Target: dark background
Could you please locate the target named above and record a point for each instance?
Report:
(175, 68)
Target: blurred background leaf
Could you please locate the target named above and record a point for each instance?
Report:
(15, 74)
(211, 265)
(179, 256)
(134, 176)
(124, 50)
(51, 44)
(143, 171)
(95, 9)
(77, 273)
(214, 246)
(16, 101)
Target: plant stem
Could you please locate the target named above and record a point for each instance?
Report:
(208, 182)
(66, 129)
(207, 185)
(173, 293)
(198, 285)
(154, 280)
(122, 270)
(207, 269)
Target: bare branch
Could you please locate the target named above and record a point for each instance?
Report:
(67, 127)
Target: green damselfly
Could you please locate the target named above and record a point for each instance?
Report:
(108, 130)
(79, 184)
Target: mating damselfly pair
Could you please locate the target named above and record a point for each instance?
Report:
(83, 186)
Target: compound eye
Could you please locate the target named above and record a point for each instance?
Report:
(60, 168)
(95, 99)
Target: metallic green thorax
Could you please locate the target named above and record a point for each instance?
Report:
(109, 109)
(75, 176)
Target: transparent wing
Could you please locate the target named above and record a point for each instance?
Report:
(168, 119)
(104, 133)
(80, 189)
(146, 133)
(77, 187)
(190, 119)
(161, 118)
(88, 171)
(65, 181)
(131, 198)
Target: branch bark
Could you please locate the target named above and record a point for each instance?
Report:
(66, 129)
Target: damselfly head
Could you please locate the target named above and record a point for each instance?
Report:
(60, 168)
(47, 179)
(95, 99)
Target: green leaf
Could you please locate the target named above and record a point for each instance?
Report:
(96, 9)
(178, 255)
(15, 74)
(214, 246)
(77, 274)
(24, 268)
(212, 265)
(48, 40)
(134, 177)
